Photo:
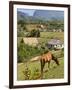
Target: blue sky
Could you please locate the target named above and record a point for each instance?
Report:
(28, 11)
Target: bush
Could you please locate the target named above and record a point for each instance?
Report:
(27, 73)
(20, 33)
(22, 52)
(34, 33)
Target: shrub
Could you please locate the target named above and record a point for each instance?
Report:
(34, 33)
(20, 33)
(22, 53)
(27, 73)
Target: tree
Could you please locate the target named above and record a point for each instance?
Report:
(21, 22)
(56, 24)
(35, 33)
(27, 73)
(22, 25)
(20, 52)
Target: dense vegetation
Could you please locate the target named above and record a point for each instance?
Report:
(26, 52)
(23, 27)
(55, 24)
(33, 33)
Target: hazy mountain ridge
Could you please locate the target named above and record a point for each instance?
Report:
(21, 15)
(49, 14)
(41, 15)
(26, 17)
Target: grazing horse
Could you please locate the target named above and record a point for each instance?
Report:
(47, 57)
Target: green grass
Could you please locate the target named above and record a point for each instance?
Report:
(51, 35)
(47, 36)
(55, 72)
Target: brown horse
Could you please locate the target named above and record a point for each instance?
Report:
(47, 57)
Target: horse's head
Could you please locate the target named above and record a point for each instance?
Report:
(55, 59)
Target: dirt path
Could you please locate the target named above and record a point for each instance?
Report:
(35, 58)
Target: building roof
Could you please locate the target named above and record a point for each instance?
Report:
(55, 42)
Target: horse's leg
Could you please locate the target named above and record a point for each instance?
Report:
(48, 64)
(41, 69)
(42, 66)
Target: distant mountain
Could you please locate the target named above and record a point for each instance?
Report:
(21, 15)
(49, 14)
(40, 15)
(26, 17)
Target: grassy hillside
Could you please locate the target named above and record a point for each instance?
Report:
(55, 72)
(34, 68)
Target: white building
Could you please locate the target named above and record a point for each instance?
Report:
(55, 44)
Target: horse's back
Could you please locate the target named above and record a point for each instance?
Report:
(49, 56)
(46, 57)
